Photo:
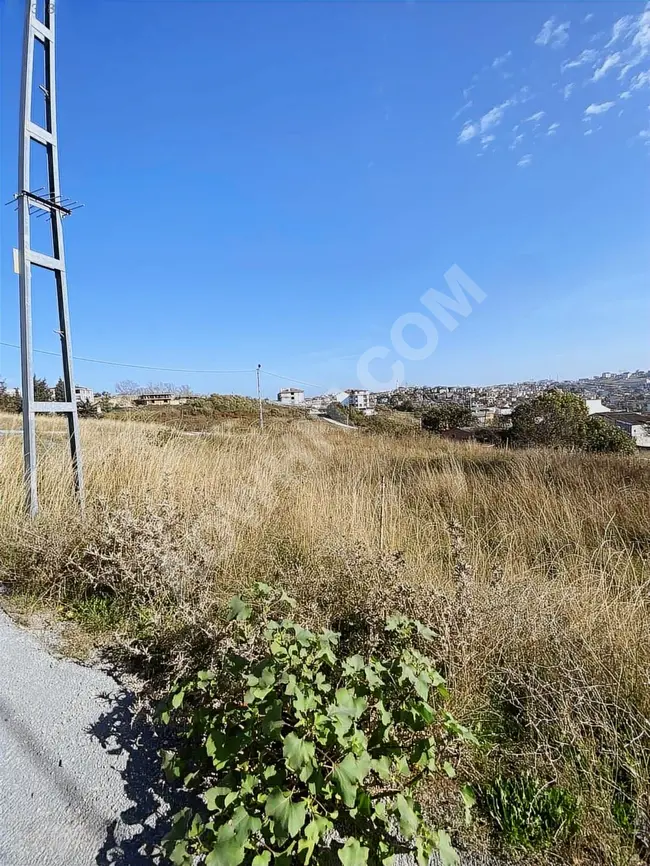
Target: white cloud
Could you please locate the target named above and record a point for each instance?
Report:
(460, 111)
(553, 128)
(469, 131)
(516, 141)
(625, 95)
(467, 91)
(644, 133)
(588, 132)
(598, 108)
(494, 116)
(589, 55)
(621, 28)
(566, 91)
(608, 63)
(588, 17)
(552, 33)
(640, 80)
(490, 119)
(535, 118)
(486, 140)
(499, 61)
(525, 160)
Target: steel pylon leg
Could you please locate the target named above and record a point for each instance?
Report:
(48, 201)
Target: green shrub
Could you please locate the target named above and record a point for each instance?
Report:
(296, 751)
(529, 813)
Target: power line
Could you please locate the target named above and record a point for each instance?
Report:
(165, 369)
(133, 366)
(289, 379)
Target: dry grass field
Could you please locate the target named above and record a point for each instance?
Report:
(533, 568)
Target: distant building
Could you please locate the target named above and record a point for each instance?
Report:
(291, 396)
(153, 399)
(595, 407)
(84, 395)
(358, 399)
(635, 424)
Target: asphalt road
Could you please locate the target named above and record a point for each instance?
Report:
(76, 776)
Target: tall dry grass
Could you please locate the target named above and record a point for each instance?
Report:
(539, 595)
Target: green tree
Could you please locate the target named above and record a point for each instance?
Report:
(59, 391)
(443, 415)
(42, 391)
(8, 402)
(603, 435)
(555, 419)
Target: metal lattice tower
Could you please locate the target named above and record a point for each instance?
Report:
(47, 203)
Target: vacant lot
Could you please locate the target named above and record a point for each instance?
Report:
(533, 568)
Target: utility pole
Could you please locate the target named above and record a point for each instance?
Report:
(49, 203)
(259, 396)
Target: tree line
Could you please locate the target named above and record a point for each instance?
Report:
(554, 419)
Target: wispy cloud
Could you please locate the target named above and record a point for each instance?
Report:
(608, 63)
(553, 128)
(516, 141)
(486, 140)
(640, 80)
(469, 131)
(488, 121)
(589, 55)
(625, 95)
(568, 90)
(462, 110)
(499, 61)
(535, 118)
(588, 17)
(588, 132)
(620, 28)
(552, 33)
(598, 108)
(525, 160)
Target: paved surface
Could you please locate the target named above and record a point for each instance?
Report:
(76, 775)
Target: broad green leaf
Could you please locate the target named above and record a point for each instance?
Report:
(448, 855)
(177, 698)
(425, 712)
(312, 835)
(212, 794)
(299, 754)
(239, 610)
(227, 850)
(179, 856)
(354, 664)
(381, 766)
(346, 776)
(469, 800)
(289, 816)
(353, 853)
(408, 820)
(449, 769)
(262, 859)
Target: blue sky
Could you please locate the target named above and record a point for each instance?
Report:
(278, 182)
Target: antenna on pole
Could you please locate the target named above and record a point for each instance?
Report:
(44, 201)
(259, 396)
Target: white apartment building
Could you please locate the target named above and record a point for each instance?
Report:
(291, 396)
(82, 394)
(358, 399)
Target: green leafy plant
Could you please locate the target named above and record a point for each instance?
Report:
(529, 813)
(297, 753)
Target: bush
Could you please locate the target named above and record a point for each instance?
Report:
(602, 435)
(296, 751)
